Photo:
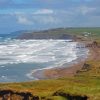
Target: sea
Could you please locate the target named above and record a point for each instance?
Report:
(18, 58)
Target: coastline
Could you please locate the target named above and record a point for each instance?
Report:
(57, 72)
(71, 71)
(67, 69)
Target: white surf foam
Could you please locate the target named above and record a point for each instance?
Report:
(34, 51)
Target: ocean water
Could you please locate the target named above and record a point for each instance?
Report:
(19, 57)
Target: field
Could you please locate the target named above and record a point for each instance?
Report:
(85, 85)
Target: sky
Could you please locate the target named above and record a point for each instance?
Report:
(18, 15)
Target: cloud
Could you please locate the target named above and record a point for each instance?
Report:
(22, 19)
(39, 16)
(29, 14)
(32, 19)
(77, 16)
(44, 11)
(46, 19)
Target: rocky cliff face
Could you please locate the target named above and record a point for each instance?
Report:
(11, 95)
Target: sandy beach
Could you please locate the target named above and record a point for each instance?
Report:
(94, 54)
(71, 69)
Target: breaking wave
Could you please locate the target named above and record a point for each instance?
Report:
(19, 57)
(30, 51)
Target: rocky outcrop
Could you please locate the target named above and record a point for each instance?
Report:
(11, 95)
(94, 44)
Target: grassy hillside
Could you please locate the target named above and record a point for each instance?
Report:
(81, 86)
(60, 33)
(84, 86)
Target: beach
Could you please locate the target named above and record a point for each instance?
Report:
(44, 59)
(70, 70)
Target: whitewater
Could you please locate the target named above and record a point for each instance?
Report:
(19, 57)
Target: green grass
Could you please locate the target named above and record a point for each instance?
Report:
(78, 31)
(88, 86)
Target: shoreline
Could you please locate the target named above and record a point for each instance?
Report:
(56, 72)
(66, 69)
(71, 71)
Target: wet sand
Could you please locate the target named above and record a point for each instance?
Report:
(65, 70)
